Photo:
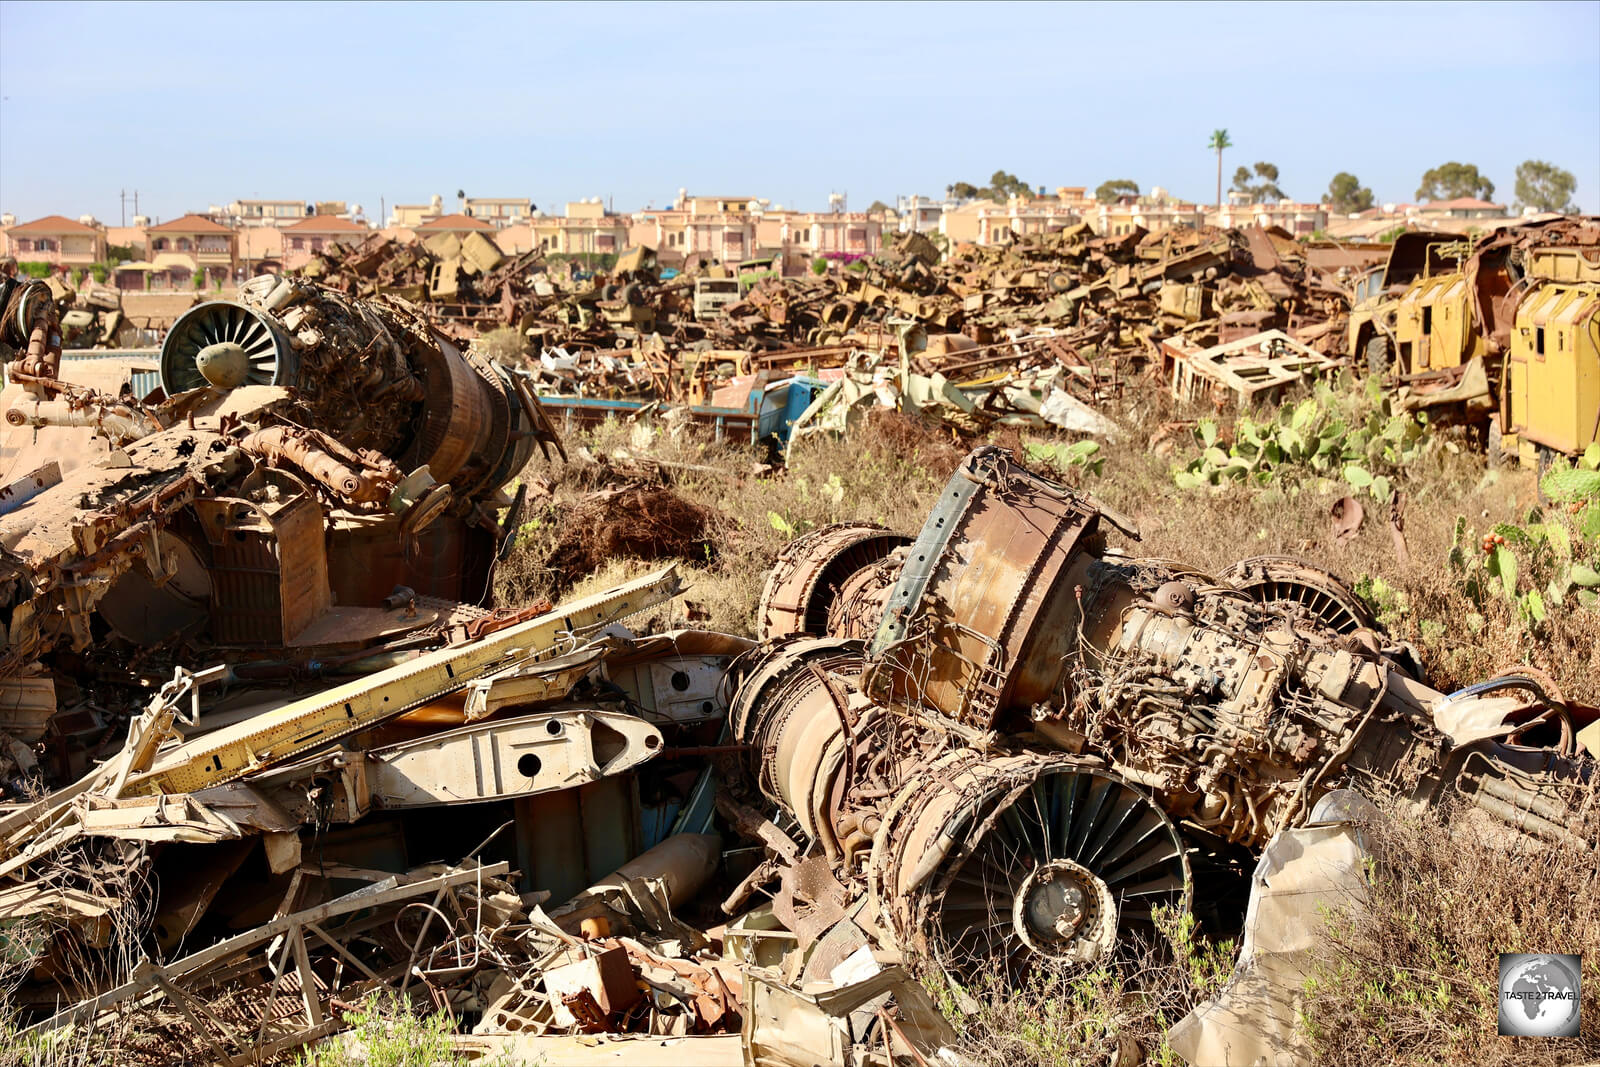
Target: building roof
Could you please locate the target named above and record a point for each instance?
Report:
(454, 222)
(51, 224)
(190, 224)
(325, 224)
(1462, 203)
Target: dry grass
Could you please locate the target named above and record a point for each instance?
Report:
(1413, 978)
(893, 468)
(889, 473)
(1113, 1014)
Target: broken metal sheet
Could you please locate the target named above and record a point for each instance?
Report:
(1467, 385)
(30, 485)
(844, 1025)
(1302, 874)
(509, 758)
(274, 736)
(537, 683)
(677, 676)
(27, 703)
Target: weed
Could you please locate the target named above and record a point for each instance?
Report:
(1411, 976)
(1115, 1011)
(386, 1031)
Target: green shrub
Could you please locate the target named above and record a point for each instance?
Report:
(386, 1032)
(819, 266)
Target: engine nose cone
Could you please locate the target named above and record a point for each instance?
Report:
(224, 364)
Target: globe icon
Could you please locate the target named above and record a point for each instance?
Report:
(1539, 997)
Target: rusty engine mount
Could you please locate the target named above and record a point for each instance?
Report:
(1043, 737)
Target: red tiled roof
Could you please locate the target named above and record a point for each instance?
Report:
(1461, 203)
(190, 224)
(454, 222)
(52, 224)
(326, 224)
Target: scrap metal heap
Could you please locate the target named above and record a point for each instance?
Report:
(321, 478)
(998, 741)
(1070, 306)
(1043, 739)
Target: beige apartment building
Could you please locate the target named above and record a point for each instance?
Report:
(499, 212)
(1297, 218)
(586, 229)
(267, 212)
(57, 240)
(308, 237)
(190, 245)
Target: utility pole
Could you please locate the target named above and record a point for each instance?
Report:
(124, 195)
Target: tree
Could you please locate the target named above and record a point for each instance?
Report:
(1452, 180)
(1266, 189)
(1108, 191)
(1545, 187)
(877, 207)
(1008, 185)
(1346, 195)
(1001, 186)
(1219, 142)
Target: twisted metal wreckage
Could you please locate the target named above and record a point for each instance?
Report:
(998, 742)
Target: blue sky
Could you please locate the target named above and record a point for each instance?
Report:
(201, 104)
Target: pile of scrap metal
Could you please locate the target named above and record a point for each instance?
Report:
(999, 742)
(1006, 742)
(1040, 331)
(464, 285)
(316, 481)
(1209, 285)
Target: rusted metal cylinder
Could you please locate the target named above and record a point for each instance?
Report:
(812, 572)
(984, 614)
(373, 373)
(788, 708)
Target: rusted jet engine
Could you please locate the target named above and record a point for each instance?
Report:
(320, 478)
(1043, 739)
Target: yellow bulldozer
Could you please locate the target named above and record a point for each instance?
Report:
(1503, 329)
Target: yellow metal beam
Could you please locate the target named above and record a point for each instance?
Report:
(286, 732)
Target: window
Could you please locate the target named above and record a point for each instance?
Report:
(605, 242)
(1427, 320)
(184, 245)
(316, 244)
(1538, 341)
(297, 243)
(158, 245)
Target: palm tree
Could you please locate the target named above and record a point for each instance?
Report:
(1219, 141)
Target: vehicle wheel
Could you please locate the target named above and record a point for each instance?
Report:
(1378, 355)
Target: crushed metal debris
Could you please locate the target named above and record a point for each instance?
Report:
(266, 751)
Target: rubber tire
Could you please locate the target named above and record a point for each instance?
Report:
(1378, 355)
